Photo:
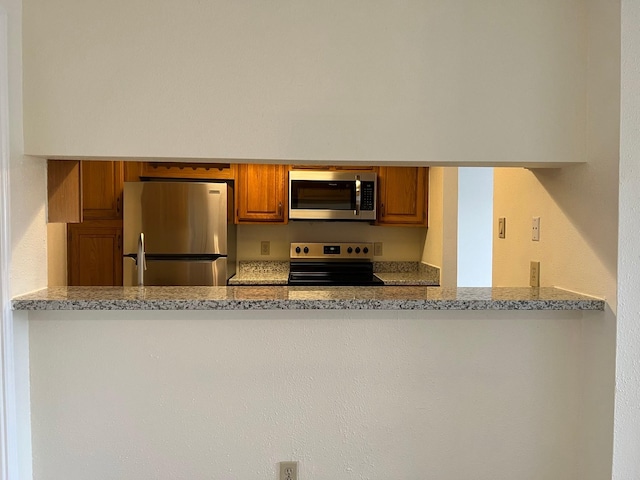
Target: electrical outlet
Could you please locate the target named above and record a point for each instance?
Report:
(288, 471)
(502, 227)
(377, 249)
(534, 274)
(535, 229)
(265, 247)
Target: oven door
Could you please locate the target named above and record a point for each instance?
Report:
(331, 196)
(332, 274)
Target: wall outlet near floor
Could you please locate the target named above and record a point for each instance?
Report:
(288, 471)
(265, 247)
(377, 249)
(534, 274)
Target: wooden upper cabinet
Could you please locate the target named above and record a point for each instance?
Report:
(402, 196)
(261, 193)
(94, 255)
(64, 186)
(102, 185)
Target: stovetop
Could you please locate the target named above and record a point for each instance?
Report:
(340, 264)
(331, 251)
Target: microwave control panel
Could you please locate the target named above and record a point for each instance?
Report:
(367, 196)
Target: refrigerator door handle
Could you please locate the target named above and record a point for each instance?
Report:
(141, 260)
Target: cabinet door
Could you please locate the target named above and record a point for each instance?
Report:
(261, 194)
(94, 255)
(102, 184)
(64, 186)
(402, 196)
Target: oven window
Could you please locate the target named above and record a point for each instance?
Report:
(323, 195)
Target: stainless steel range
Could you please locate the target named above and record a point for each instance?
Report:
(341, 264)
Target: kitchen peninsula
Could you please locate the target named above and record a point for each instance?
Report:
(307, 298)
(203, 371)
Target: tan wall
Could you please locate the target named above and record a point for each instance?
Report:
(399, 243)
(427, 81)
(441, 242)
(56, 254)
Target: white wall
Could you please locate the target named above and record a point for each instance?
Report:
(343, 81)
(27, 177)
(27, 269)
(578, 244)
(349, 394)
(475, 226)
(626, 463)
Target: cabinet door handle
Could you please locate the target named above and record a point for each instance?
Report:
(279, 209)
(382, 209)
(118, 205)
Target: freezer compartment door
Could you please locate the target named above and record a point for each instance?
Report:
(177, 272)
(176, 217)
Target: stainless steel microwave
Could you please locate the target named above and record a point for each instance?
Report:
(330, 195)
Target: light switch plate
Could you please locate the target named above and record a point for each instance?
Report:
(502, 227)
(535, 229)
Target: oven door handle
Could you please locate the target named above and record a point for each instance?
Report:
(356, 212)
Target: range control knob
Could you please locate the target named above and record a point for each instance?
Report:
(357, 249)
(349, 250)
(297, 249)
(365, 250)
(306, 249)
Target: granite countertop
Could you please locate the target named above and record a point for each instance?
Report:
(391, 273)
(261, 273)
(288, 298)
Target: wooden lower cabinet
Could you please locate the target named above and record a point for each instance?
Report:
(94, 254)
(261, 194)
(402, 196)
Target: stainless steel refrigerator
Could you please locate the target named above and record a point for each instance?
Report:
(178, 233)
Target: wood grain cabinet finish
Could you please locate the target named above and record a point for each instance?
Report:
(261, 194)
(94, 253)
(402, 196)
(64, 186)
(102, 185)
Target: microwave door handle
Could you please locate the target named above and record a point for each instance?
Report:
(356, 212)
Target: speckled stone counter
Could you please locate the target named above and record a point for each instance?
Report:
(407, 273)
(261, 273)
(391, 273)
(292, 298)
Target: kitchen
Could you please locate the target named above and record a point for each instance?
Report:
(564, 198)
(93, 246)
